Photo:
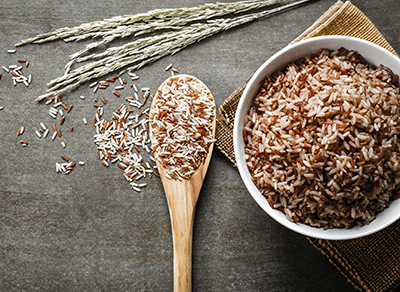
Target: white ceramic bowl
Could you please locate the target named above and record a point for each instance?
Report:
(374, 55)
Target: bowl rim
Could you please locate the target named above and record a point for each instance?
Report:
(302, 228)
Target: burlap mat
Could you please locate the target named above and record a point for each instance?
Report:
(371, 263)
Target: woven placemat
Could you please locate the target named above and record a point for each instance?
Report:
(371, 263)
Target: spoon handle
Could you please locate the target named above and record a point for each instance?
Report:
(182, 230)
(182, 197)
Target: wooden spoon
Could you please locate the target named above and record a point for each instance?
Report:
(182, 197)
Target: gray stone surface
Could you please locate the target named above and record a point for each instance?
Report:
(87, 231)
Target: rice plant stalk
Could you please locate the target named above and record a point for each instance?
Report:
(146, 50)
(154, 19)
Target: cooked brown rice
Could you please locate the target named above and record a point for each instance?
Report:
(321, 139)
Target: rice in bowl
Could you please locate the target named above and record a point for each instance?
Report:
(321, 139)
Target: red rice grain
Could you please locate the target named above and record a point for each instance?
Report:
(321, 140)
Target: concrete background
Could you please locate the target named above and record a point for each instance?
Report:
(88, 231)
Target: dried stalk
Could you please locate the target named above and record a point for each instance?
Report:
(154, 19)
(149, 49)
(197, 14)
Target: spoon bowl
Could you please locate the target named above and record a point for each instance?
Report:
(182, 196)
